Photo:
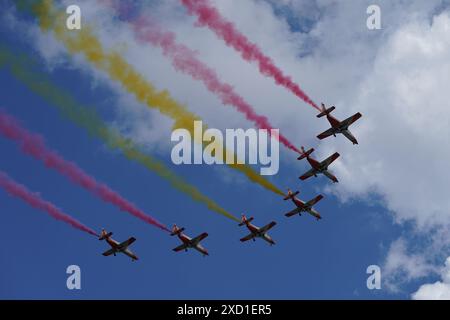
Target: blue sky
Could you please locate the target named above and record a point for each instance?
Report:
(324, 260)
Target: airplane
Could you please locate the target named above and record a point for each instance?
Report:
(303, 206)
(318, 167)
(117, 247)
(257, 232)
(188, 242)
(338, 126)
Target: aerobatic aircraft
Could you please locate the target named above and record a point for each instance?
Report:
(117, 247)
(193, 243)
(338, 126)
(303, 206)
(316, 166)
(255, 231)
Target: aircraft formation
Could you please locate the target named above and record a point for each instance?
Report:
(131, 80)
(317, 167)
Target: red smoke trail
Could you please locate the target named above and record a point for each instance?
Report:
(210, 17)
(34, 145)
(34, 200)
(185, 60)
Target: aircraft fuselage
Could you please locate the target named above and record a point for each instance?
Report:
(341, 127)
(185, 239)
(189, 244)
(122, 249)
(316, 165)
(335, 123)
(257, 233)
(305, 208)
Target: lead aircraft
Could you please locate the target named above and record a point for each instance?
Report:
(338, 126)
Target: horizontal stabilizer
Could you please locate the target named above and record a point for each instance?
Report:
(178, 231)
(245, 220)
(325, 111)
(291, 196)
(305, 153)
(103, 237)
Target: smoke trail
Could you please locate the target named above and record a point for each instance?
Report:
(209, 16)
(185, 60)
(33, 199)
(34, 145)
(84, 42)
(24, 69)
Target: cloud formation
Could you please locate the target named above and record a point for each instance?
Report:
(440, 290)
(404, 101)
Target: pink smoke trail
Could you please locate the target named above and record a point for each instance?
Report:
(184, 59)
(209, 16)
(34, 145)
(33, 199)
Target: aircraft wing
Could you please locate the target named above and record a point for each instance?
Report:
(180, 247)
(293, 212)
(330, 159)
(308, 174)
(312, 202)
(199, 238)
(108, 253)
(267, 227)
(315, 214)
(326, 133)
(127, 242)
(351, 119)
(131, 255)
(249, 237)
(330, 176)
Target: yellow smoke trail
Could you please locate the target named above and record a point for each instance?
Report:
(23, 69)
(84, 42)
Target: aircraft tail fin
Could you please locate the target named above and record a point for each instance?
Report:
(176, 230)
(104, 235)
(291, 195)
(245, 220)
(325, 111)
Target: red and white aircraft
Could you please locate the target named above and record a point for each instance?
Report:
(257, 232)
(117, 247)
(318, 167)
(338, 126)
(303, 206)
(188, 242)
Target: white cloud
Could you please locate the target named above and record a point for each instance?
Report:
(402, 153)
(404, 102)
(403, 266)
(439, 290)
